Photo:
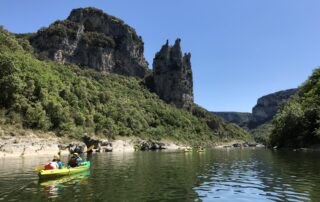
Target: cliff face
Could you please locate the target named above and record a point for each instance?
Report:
(239, 118)
(68, 100)
(172, 76)
(89, 37)
(267, 106)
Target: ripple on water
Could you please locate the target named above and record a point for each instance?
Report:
(235, 175)
(254, 180)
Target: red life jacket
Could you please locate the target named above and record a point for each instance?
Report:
(73, 162)
(51, 166)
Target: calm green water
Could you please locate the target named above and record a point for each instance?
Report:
(215, 175)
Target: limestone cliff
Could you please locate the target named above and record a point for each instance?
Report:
(89, 37)
(239, 118)
(172, 76)
(268, 105)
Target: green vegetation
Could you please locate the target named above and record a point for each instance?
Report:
(52, 37)
(222, 129)
(95, 39)
(261, 134)
(96, 27)
(298, 122)
(70, 101)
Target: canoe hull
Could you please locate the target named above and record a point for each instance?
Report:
(45, 174)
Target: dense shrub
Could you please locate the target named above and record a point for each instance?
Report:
(298, 122)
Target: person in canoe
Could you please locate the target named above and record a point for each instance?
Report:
(54, 164)
(75, 160)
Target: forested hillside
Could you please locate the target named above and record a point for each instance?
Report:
(70, 101)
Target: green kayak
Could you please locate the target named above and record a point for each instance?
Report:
(45, 174)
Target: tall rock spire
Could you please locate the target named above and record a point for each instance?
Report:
(172, 76)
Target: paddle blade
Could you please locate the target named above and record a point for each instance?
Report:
(38, 168)
(90, 148)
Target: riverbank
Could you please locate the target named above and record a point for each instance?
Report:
(19, 142)
(15, 142)
(33, 146)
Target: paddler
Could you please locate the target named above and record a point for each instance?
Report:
(75, 160)
(54, 164)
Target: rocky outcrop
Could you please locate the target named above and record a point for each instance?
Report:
(239, 118)
(150, 145)
(89, 37)
(268, 105)
(106, 146)
(172, 76)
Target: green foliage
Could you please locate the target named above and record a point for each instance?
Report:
(96, 39)
(35, 117)
(70, 101)
(8, 42)
(25, 44)
(298, 122)
(52, 36)
(262, 133)
(219, 127)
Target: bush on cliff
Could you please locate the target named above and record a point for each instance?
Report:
(298, 122)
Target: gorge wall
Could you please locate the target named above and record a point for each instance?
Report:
(239, 118)
(266, 107)
(89, 37)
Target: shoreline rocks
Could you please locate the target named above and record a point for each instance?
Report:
(32, 145)
(29, 146)
(240, 145)
(104, 145)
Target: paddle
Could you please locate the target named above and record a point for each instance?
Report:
(38, 168)
(89, 149)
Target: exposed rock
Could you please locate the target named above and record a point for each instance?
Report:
(268, 105)
(76, 148)
(28, 146)
(239, 118)
(89, 37)
(259, 121)
(107, 148)
(172, 76)
(237, 145)
(150, 145)
(89, 141)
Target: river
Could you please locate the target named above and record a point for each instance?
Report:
(213, 175)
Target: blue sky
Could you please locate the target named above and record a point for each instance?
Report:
(241, 49)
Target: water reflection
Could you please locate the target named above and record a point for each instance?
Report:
(214, 175)
(53, 188)
(261, 175)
